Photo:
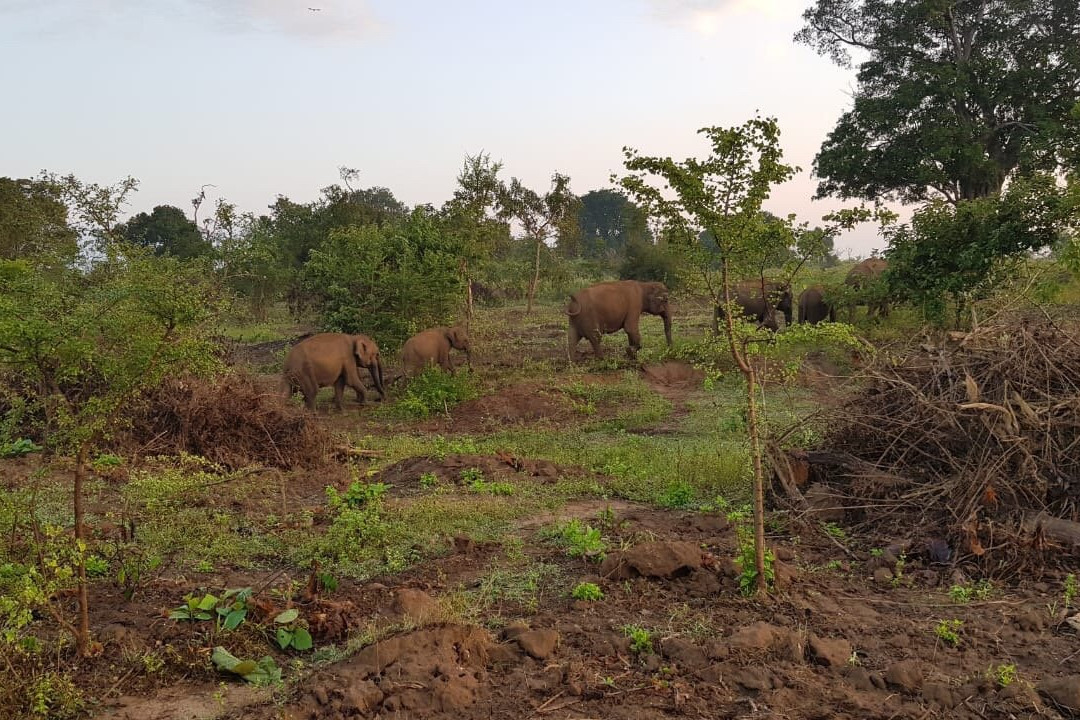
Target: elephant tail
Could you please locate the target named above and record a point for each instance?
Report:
(573, 307)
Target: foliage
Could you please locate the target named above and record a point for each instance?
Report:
(949, 631)
(648, 262)
(587, 591)
(434, 391)
(952, 98)
(967, 592)
(745, 558)
(34, 221)
(960, 251)
(166, 231)
(388, 282)
(1072, 588)
(290, 633)
(1005, 675)
(262, 672)
(640, 639)
(230, 609)
(17, 448)
(539, 215)
(579, 539)
(607, 224)
(357, 496)
(679, 494)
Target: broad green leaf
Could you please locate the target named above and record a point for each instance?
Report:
(284, 637)
(203, 616)
(180, 614)
(233, 619)
(287, 616)
(301, 639)
(208, 602)
(245, 667)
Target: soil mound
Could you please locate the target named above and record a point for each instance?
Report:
(515, 405)
(228, 420)
(435, 670)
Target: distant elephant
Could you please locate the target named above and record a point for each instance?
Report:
(813, 308)
(432, 347)
(333, 359)
(608, 307)
(861, 277)
(755, 307)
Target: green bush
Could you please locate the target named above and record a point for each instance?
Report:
(387, 282)
(434, 391)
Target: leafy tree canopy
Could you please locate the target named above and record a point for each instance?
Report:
(606, 222)
(953, 96)
(166, 231)
(34, 220)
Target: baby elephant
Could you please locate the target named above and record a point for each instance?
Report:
(432, 347)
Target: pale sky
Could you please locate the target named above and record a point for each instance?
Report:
(268, 97)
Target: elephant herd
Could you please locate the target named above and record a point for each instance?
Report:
(334, 359)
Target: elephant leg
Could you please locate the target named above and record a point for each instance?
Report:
(351, 377)
(633, 333)
(445, 361)
(573, 337)
(594, 340)
(339, 392)
(310, 390)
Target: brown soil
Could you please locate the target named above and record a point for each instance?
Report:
(830, 643)
(516, 405)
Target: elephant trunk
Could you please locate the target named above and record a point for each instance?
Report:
(666, 316)
(376, 371)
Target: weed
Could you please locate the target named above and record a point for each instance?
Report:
(640, 639)
(472, 475)
(290, 632)
(434, 391)
(204, 566)
(1004, 675)
(358, 495)
(580, 540)
(876, 552)
(96, 566)
(834, 531)
(107, 460)
(429, 480)
(679, 494)
(898, 570)
(948, 631)
(1071, 590)
(746, 558)
(474, 479)
(55, 696)
(590, 592)
(261, 672)
(967, 592)
(19, 447)
(230, 609)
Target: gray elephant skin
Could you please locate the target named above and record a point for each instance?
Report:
(758, 307)
(813, 308)
(608, 307)
(331, 359)
(432, 347)
(862, 276)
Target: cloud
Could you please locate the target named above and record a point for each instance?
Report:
(331, 20)
(708, 17)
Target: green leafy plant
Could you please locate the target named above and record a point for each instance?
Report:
(834, 531)
(261, 672)
(948, 631)
(107, 460)
(876, 552)
(679, 494)
(472, 475)
(230, 609)
(898, 570)
(290, 633)
(358, 495)
(587, 591)
(195, 608)
(640, 639)
(429, 480)
(580, 540)
(96, 566)
(15, 448)
(967, 592)
(1004, 675)
(1071, 590)
(474, 479)
(434, 391)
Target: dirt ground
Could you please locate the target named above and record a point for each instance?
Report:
(857, 627)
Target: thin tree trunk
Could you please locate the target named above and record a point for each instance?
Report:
(468, 294)
(755, 445)
(535, 278)
(82, 637)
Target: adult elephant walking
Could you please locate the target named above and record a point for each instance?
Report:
(862, 279)
(813, 308)
(761, 307)
(609, 307)
(331, 359)
(432, 347)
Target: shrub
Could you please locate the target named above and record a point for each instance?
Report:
(434, 391)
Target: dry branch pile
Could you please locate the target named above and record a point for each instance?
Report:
(228, 420)
(975, 439)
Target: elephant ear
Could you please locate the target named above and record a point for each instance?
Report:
(364, 350)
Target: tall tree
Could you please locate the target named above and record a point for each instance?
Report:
(166, 231)
(608, 222)
(954, 96)
(33, 220)
(539, 215)
(722, 195)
